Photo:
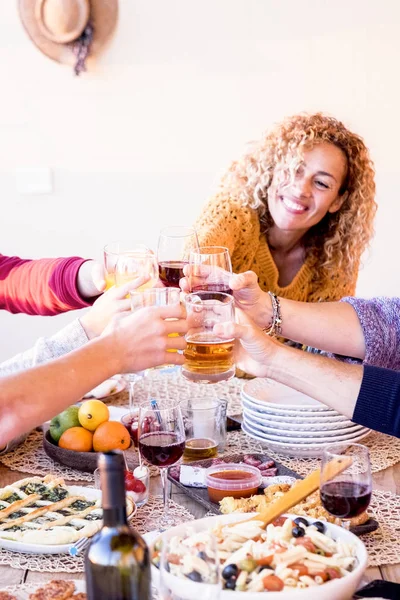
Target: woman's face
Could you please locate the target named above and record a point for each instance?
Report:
(299, 205)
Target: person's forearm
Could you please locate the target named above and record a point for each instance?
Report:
(334, 383)
(30, 398)
(330, 326)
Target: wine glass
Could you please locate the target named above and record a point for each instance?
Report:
(210, 269)
(174, 246)
(347, 494)
(205, 585)
(111, 253)
(161, 441)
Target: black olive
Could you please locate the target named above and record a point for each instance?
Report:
(194, 576)
(230, 571)
(298, 532)
(202, 555)
(320, 526)
(301, 521)
(230, 584)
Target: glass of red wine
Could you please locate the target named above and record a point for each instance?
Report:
(347, 494)
(174, 246)
(161, 441)
(210, 269)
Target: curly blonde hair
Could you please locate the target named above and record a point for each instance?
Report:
(340, 238)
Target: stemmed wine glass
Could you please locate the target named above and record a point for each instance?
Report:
(161, 440)
(174, 246)
(179, 546)
(210, 269)
(347, 494)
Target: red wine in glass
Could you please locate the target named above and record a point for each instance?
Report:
(212, 287)
(161, 449)
(171, 271)
(345, 499)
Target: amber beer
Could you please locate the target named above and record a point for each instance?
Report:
(208, 358)
(200, 448)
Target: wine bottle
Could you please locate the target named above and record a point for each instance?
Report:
(117, 562)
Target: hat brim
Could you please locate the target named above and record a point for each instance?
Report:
(103, 16)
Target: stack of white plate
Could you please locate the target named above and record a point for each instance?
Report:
(292, 423)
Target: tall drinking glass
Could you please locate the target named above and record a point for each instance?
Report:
(210, 269)
(176, 552)
(347, 494)
(208, 358)
(161, 441)
(111, 253)
(131, 265)
(202, 418)
(174, 246)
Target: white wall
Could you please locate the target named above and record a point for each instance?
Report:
(140, 140)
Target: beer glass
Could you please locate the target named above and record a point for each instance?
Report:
(210, 269)
(202, 418)
(208, 358)
(174, 246)
(111, 253)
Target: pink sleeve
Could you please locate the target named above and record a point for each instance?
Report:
(46, 286)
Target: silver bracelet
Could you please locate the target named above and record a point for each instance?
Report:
(275, 329)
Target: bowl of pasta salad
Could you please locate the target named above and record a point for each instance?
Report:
(293, 558)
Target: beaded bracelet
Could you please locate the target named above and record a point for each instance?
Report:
(275, 329)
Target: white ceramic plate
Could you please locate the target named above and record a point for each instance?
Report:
(90, 493)
(306, 441)
(336, 589)
(303, 432)
(264, 391)
(300, 450)
(294, 423)
(267, 409)
(119, 384)
(297, 418)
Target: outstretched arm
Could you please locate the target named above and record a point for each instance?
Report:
(330, 326)
(48, 286)
(132, 343)
(368, 395)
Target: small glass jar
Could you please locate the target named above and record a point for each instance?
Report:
(232, 479)
(137, 484)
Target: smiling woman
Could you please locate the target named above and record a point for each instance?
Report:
(297, 209)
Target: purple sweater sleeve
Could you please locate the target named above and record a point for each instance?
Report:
(378, 403)
(380, 322)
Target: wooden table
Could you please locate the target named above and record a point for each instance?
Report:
(385, 480)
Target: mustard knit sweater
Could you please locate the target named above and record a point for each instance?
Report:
(228, 223)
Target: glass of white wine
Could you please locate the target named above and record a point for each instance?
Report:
(111, 252)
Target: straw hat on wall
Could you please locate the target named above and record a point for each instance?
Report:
(58, 27)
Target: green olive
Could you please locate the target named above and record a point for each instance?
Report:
(248, 564)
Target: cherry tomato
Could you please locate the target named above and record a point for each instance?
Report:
(272, 583)
(306, 542)
(302, 569)
(132, 484)
(322, 574)
(265, 561)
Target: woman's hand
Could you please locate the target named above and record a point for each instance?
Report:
(254, 350)
(140, 340)
(111, 303)
(250, 298)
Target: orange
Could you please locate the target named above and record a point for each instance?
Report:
(92, 413)
(76, 438)
(111, 435)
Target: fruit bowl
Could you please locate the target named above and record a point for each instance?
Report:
(82, 461)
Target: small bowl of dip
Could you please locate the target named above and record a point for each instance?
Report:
(232, 479)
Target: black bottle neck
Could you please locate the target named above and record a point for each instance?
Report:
(112, 479)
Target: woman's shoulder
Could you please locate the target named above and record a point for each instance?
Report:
(223, 207)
